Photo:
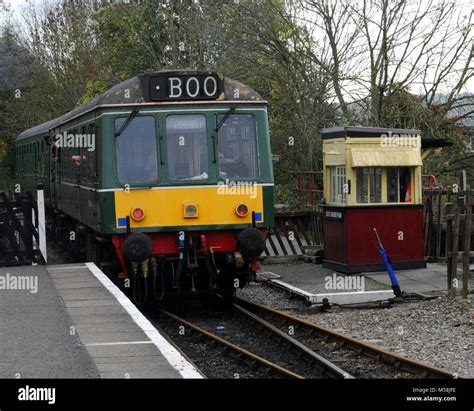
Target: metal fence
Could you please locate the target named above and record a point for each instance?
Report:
(19, 230)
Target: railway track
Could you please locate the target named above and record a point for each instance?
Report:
(307, 331)
(282, 357)
(326, 368)
(243, 357)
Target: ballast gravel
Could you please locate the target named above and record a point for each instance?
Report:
(439, 331)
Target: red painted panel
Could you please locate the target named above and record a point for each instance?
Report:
(399, 228)
(166, 243)
(351, 240)
(221, 241)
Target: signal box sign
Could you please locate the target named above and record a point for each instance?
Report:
(176, 86)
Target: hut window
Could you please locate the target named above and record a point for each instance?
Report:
(369, 185)
(399, 188)
(337, 176)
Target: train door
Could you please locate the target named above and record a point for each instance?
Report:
(80, 165)
(54, 153)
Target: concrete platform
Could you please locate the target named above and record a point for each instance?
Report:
(71, 321)
(430, 280)
(314, 283)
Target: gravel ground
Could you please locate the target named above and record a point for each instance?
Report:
(57, 254)
(439, 332)
(244, 333)
(210, 360)
(347, 359)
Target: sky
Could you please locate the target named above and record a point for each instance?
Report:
(18, 5)
(15, 6)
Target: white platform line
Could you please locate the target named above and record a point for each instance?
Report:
(293, 289)
(174, 357)
(64, 268)
(119, 343)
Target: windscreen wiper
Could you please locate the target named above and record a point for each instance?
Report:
(226, 116)
(132, 115)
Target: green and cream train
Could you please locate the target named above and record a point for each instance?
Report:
(165, 179)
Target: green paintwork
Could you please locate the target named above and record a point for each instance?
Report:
(96, 209)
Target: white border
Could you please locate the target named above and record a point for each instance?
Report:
(42, 224)
(349, 297)
(174, 357)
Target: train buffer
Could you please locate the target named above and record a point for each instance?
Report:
(71, 321)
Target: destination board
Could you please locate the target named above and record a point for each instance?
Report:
(176, 86)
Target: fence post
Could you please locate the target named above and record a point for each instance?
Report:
(41, 222)
(455, 249)
(428, 221)
(438, 224)
(449, 236)
(467, 243)
(463, 180)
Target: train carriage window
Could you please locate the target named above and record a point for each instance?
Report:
(187, 149)
(74, 158)
(43, 158)
(136, 150)
(64, 166)
(18, 161)
(237, 146)
(91, 154)
(35, 158)
(82, 161)
(28, 156)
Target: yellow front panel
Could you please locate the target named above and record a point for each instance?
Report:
(164, 207)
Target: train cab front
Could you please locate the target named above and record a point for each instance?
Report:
(198, 239)
(204, 234)
(194, 179)
(184, 263)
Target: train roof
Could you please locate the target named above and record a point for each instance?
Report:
(141, 89)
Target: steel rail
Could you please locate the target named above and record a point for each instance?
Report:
(326, 367)
(370, 350)
(242, 354)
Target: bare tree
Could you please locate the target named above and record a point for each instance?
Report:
(379, 47)
(59, 36)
